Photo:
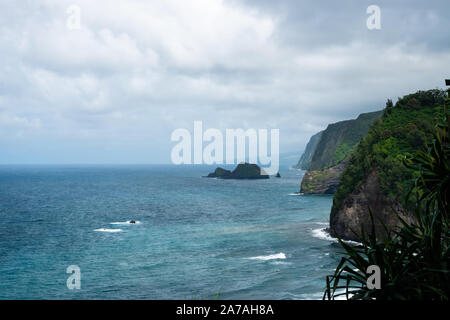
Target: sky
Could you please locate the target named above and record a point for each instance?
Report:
(114, 89)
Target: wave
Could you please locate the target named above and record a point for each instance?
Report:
(315, 296)
(108, 230)
(280, 262)
(280, 255)
(304, 296)
(321, 233)
(296, 194)
(126, 222)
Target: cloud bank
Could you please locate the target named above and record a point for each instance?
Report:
(113, 90)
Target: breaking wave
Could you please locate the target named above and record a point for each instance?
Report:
(108, 230)
(280, 255)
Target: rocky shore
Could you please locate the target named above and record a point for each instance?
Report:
(323, 181)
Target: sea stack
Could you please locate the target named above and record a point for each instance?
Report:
(242, 171)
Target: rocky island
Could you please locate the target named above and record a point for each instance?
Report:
(242, 171)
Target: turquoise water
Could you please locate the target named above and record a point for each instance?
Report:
(195, 236)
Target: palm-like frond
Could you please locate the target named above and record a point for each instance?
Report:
(415, 260)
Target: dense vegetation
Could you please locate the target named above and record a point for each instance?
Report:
(403, 128)
(415, 264)
(339, 139)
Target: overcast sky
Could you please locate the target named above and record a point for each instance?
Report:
(114, 90)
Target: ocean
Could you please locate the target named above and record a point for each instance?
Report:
(194, 237)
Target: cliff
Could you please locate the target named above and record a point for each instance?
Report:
(353, 215)
(338, 139)
(307, 155)
(331, 153)
(375, 176)
(323, 181)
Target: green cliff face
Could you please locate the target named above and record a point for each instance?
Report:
(339, 139)
(307, 155)
(376, 164)
(331, 153)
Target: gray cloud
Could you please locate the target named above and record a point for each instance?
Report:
(115, 89)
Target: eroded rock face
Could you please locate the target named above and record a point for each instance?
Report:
(354, 211)
(323, 181)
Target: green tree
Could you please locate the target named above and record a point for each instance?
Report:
(415, 264)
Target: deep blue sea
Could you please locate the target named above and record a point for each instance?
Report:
(195, 237)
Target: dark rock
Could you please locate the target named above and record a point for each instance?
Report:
(132, 221)
(323, 181)
(354, 214)
(219, 173)
(242, 171)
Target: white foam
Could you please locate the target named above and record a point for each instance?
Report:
(108, 230)
(280, 262)
(125, 222)
(319, 296)
(306, 296)
(296, 194)
(321, 233)
(342, 297)
(280, 255)
(315, 296)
